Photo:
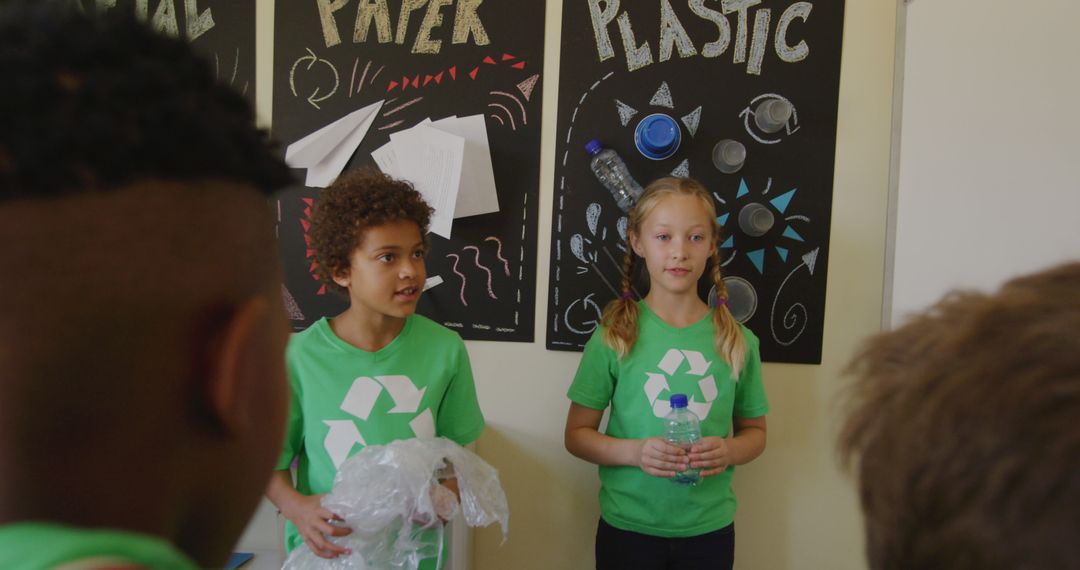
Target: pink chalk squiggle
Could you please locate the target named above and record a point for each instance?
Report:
(459, 274)
(498, 253)
(486, 270)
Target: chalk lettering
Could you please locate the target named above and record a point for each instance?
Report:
(783, 48)
(600, 20)
(467, 22)
(761, 34)
(720, 45)
(432, 20)
(751, 37)
(329, 24)
(672, 32)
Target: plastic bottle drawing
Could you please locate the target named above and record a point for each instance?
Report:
(682, 428)
(611, 171)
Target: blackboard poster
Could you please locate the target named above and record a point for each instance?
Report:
(764, 73)
(425, 60)
(222, 31)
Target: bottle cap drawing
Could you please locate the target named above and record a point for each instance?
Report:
(657, 136)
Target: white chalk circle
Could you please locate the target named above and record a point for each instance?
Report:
(742, 298)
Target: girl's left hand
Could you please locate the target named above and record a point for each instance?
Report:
(711, 455)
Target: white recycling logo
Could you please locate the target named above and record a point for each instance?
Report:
(669, 364)
(359, 402)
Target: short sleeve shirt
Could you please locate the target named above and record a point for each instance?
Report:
(666, 360)
(344, 398)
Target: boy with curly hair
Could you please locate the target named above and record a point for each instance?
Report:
(377, 372)
(142, 332)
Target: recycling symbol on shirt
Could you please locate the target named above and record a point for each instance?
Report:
(359, 402)
(669, 364)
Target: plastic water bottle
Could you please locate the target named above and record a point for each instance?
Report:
(611, 171)
(682, 428)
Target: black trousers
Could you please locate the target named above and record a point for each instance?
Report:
(618, 549)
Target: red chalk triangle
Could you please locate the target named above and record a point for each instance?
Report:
(488, 60)
(309, 201)
(315, 277)
(416, 81)
(404, 83)
(314, 264)
(519, 65)
(507, 56)
(438, 78)
(310, 253)
(427, 79)
(321, 291)
(392, 85)
(306, 224)
(472, 74)
(307, 240)
(307, 211)
(453, 73)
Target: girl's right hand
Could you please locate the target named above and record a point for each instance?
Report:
(662, 459)
(313, 522)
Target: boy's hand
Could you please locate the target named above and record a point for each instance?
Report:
(711, 455)
(313, 522)
(662, 459)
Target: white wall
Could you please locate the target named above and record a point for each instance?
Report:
(796, 509)
(989, 179)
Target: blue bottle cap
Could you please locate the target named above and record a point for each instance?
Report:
(678, 400)
(657, 136)
(593, 146)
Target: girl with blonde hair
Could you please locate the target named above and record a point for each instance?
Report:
(669, 342)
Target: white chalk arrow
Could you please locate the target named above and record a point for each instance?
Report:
(671, 361)
(698, 364)
(361, 397)
(423, 425)
(340, 440)
(404, 393)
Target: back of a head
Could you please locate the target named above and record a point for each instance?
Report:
(962, 429)
(134, 218)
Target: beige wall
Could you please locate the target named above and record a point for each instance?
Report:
(796, 509)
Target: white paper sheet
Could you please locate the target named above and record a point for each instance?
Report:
(432, 162)
(476, 194)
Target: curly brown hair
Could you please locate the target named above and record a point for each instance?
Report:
(358, 200)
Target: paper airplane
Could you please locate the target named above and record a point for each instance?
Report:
(325, 152)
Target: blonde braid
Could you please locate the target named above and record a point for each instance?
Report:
(620, 315)
(727, 338)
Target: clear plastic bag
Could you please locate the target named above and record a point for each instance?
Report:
(391, 498)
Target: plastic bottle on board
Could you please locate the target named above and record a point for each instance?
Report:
(611, 171)
(682, 428)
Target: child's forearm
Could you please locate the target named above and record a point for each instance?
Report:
(595, 447)
(747, 444)
(280, 490)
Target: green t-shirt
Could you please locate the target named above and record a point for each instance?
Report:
(343, 398)
(667, 360)
(40, 545)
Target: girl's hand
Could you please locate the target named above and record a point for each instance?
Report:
(662, 459)
(313, 522)
(711, 455)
